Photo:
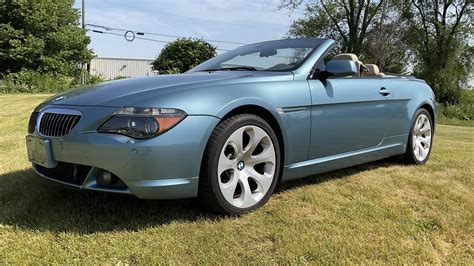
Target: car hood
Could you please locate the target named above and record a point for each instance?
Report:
(119, 92)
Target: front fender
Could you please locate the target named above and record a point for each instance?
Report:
(253, 101)
(272, 96)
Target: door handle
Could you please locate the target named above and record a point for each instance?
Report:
(384, 91)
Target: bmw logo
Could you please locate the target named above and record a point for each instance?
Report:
(241, 165)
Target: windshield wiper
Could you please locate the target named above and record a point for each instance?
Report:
(249, 68)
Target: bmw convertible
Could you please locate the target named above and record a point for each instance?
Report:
(227, 131)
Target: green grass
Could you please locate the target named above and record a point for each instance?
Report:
(380, 212)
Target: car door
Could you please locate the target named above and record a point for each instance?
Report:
(347, 114)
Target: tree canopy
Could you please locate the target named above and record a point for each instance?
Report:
(182, 55)
(438, 35)
(366, 28)
(429, 38)
(42, 36)
(345, 21)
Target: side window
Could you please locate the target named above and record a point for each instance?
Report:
(320, 66)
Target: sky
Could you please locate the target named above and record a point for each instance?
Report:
(241, 21)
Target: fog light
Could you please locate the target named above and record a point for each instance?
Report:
(106, 178)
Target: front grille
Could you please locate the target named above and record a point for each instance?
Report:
(57, 125)
(32, 122)
(66, 172)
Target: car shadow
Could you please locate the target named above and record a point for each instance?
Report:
(30, 202)
(336, 174)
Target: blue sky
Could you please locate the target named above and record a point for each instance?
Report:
(242, 21)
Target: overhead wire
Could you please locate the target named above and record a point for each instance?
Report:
(141, 38)
(161, 34)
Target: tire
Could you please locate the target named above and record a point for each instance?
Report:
(420, 139)
(241, 165)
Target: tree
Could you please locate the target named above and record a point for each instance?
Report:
(384, 45)
(439, 35)
(434, 35)
(42, 36)
(347, 21)
(360, 27)
(183, 54)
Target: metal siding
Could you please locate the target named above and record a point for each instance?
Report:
(111, 68)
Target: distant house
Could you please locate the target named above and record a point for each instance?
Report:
(113, 68)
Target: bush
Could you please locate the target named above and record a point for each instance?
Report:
(182, 55)
(92, 79)
(121, 77)
(467, 96)
(29, 81)
(461, 111)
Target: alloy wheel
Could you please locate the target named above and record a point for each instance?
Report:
(246, 166)
(421, 137)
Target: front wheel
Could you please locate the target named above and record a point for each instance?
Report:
(241, 165)
(420, 139)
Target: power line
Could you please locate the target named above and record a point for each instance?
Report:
(160, 34)
(141, 38)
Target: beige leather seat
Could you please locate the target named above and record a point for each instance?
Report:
(349, 56)
(373, 70)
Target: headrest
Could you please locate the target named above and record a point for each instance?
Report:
(373, 70)
(346, 56)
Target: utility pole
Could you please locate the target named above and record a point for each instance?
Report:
(83, 11)
(83, 14)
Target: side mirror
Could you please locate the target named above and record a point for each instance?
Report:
(341, 68)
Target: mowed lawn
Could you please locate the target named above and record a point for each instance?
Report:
(380, 212)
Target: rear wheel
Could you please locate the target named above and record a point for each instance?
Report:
(420, 139)
(241, 165)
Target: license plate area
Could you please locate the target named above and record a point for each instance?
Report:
(39, 151)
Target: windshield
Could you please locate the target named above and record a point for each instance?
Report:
(281, 55)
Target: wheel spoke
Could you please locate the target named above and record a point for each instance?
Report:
(421, 151)
(268, 155)
(419, 123)
(426, 128)
(247, 199)
(237, 140)
(264, 181)
(424, 122)
(228, 189)
(425, 140)
(224, 164)
(256, 135)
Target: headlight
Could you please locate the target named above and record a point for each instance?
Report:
(142, 123)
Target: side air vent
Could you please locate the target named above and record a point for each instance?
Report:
(57, 124)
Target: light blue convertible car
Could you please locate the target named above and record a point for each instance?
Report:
(230, 129)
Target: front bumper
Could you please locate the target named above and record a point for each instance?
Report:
(164, 167)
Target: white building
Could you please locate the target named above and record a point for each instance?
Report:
(112, 68)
